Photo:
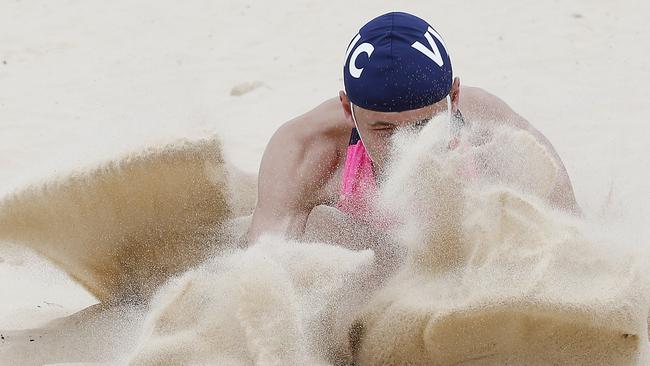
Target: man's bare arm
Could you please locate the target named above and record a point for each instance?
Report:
(294, 169)
(493, 108)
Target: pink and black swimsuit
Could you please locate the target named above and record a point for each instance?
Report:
(358, 183)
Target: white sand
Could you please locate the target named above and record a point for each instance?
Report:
(86, 82)
(490, 277)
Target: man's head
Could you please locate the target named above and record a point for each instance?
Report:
(397, 73)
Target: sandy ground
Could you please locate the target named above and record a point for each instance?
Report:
(85, 81)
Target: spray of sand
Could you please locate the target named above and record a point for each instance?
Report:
(271, 304)
(492, 275)
(123, 229)
(484, 273)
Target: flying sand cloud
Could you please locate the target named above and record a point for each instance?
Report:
(487, 274)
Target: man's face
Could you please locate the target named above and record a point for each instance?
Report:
(376, 128)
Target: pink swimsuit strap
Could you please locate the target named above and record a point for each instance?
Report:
(358, 182)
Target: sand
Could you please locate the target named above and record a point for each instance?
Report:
(88, 83)
(493, 276)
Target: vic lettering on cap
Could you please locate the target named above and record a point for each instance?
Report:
(397, 62)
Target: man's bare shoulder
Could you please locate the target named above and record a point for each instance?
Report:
(320, 131)
(297, 170)
(307, 151)
(488, 110)
(480, 105)
(327, 120)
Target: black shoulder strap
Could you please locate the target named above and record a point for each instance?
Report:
(354, 137)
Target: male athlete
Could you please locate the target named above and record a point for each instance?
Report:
(397, 73)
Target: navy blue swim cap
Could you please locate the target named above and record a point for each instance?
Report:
(397, 62)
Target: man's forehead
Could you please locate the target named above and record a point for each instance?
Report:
(409, 115)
